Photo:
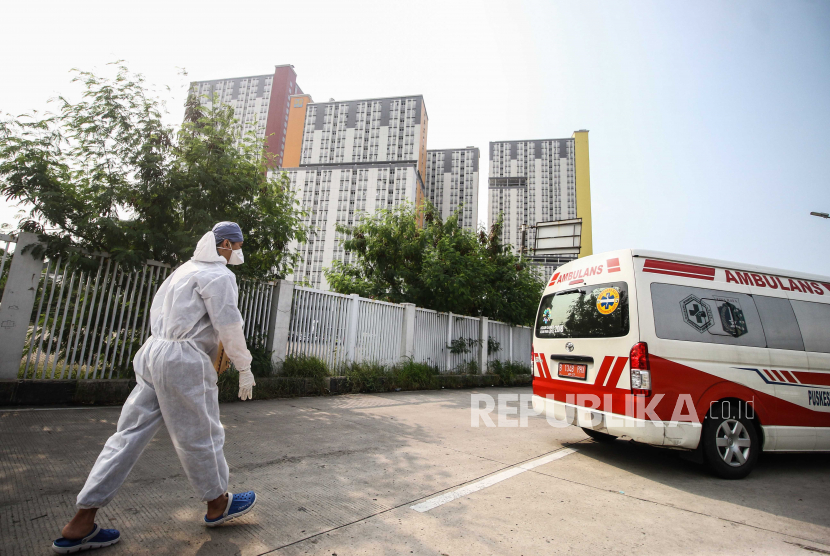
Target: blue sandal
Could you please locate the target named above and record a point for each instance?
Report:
(238, 504)
(98, 538)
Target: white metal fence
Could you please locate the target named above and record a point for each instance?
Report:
(466, 330)
(94, 302)
(255, 304)
(445, 340)
(88, 321)
(431, 338)
(522, 341)
(379, 331)
(317, 325)
(339, 328)
(510, 343)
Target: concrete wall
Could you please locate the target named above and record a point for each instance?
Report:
(17, 305)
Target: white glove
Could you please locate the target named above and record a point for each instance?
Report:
(246, 384)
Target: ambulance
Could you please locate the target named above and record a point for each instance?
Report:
(722, 358)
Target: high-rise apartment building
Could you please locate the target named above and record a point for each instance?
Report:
(366, 131)
(541, 181)
(260, 102)
(452, 181)
(355, 157)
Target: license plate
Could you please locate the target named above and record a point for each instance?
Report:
(569, 370)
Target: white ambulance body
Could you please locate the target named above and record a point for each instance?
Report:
(688, 353)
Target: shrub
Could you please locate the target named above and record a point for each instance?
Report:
(507, 370)
(305, 366)
(309, 367)
(410, 375)
(367, 376)
(467, 368)
(228, 384)
(520, 368)
(261, 364)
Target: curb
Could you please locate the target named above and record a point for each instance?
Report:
(14, 392)
(58, 392)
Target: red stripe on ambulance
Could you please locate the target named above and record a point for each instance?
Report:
(538, 358)
(603, 369)
(615, 374)
(679, 269)
(545, 364)
(819, 379)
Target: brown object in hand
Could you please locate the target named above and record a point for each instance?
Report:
(222, 362)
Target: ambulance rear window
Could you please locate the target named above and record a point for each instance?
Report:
(599, 311)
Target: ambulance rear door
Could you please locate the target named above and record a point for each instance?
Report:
(585, 327)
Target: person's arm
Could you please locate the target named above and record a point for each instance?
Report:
(233, 339)
(220, 300)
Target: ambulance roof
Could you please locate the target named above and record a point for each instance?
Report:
(728, 265)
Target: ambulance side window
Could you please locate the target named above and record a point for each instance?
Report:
(780, 326)
(814, 322)
(708, 316)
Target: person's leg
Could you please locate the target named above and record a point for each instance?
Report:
(140, 420)
(216, 507)
(80, 525)
(189, 401)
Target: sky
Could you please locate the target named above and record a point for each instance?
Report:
(708, 119)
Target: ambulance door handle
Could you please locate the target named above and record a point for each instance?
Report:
(574, 358)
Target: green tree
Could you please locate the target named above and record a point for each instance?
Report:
(107, 174)
(437, 265)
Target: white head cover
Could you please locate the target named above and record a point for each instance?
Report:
(206, 250)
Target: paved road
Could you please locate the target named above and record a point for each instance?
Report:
(339, 475)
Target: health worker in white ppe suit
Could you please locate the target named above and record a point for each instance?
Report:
(194, 309)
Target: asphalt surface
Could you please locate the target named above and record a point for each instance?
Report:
(339, 475)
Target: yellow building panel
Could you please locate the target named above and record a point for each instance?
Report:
(582, 175)
(294, 130)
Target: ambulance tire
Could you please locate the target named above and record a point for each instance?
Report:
(599, 436)
(727, 431)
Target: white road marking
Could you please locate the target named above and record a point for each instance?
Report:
(441, 499)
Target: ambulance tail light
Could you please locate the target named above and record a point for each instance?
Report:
(640, 370)
(532, 364)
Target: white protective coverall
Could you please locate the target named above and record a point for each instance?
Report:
(194, 309)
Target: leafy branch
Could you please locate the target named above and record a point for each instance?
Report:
(107, 174)
(465, 345)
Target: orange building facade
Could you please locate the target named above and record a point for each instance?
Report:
(298, 104)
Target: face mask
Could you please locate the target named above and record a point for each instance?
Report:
(236, 256)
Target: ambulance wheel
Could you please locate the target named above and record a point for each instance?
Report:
(599, 436)
(730, 441)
